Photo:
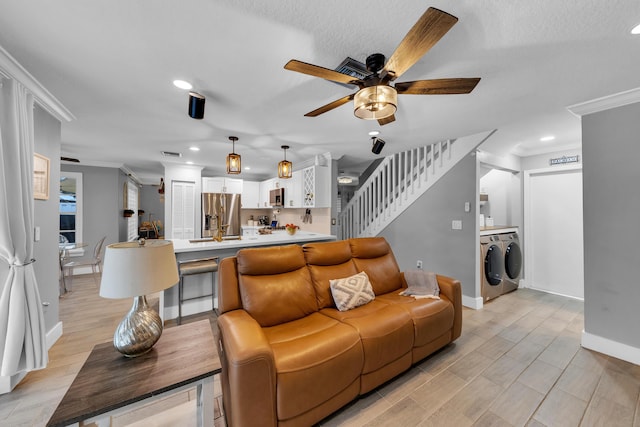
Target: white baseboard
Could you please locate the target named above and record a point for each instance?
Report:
(54, 335)
(189, 308)
(471, 302)
(611, 348)
(7, 384)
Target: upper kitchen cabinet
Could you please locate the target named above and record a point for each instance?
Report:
(222, 185)
(251, 195)
(316, 187)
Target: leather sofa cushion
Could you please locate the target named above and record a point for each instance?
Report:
(373, 255)
(431, 318)
(328, 261)
(315, 357)
(275, 284)
(386, 331)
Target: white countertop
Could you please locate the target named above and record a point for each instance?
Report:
(498, 229)
(278, 237)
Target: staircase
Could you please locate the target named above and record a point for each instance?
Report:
(398, 181)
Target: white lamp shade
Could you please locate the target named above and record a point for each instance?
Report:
(132, 270)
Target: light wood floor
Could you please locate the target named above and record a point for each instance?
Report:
(517, 363)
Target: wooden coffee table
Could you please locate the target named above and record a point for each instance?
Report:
(185, 357)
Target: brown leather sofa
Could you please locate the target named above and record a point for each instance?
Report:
(290, 358)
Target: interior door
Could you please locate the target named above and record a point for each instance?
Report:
(554, 245)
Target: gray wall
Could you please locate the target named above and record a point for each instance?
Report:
(611, 233)
(423, 231)
(541, 161)
(102, 201)
(46, 216)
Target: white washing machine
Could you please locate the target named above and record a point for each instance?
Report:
(512, 261)
(492, 266)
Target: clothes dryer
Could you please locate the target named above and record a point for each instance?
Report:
(492, 266)
(512, 261)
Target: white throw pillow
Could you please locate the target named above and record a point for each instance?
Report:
(352, 292)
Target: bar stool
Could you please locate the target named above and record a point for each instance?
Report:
(192, 267)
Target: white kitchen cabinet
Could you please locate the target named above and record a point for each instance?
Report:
(316, 187)
(250, 194)
(293, 191)
(265, 187)
(221, 185)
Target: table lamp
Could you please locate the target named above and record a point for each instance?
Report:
(136, 269)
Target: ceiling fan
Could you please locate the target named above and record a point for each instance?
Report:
(376, 98)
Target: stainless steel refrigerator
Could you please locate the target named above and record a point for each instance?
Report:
(221, 209)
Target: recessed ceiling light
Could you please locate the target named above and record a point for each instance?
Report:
(636, 29)
(247, 168)
(182, 84)
(194, 148)
(547, 138)
(374, 133)
(189, 162)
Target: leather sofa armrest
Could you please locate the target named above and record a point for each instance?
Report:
(248, 371)
(452, 289)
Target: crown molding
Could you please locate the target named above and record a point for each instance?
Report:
(605, 103)
(11, 69)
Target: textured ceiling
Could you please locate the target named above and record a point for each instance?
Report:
(111, 62)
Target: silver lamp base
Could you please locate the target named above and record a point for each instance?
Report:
(139, 330)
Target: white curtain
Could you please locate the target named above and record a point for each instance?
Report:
(22, 331)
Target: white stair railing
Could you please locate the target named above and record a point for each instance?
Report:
(398, 181)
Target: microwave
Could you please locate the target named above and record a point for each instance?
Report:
(276, 197)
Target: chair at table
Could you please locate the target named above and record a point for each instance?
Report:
(95, 262)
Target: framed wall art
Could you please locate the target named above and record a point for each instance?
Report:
(40, 177)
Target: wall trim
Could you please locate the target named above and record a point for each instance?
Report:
(475, 303)
(611, 348)
(605, 103)
(54, 335)
(11, 69)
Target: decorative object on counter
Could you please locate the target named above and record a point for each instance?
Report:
(264, 231)
(234, 160)
(140, 212)
(291, 228)
(128, 213)
(285, 166)
(307, 218)
(135, 269)
(161, 188)
(196, 105)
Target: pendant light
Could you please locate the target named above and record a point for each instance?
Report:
(285, 166)
(233, 160)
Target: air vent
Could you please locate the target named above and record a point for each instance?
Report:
(171, 154)
(352, 68)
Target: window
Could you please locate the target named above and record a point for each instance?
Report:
(71, 209)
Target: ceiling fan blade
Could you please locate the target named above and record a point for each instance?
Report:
(425, 33)
(437, 86)
(387, 120)
(317, 71)
(330, 106)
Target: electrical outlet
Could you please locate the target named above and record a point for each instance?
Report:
(467, 207)
(419, 264)
(456, 224)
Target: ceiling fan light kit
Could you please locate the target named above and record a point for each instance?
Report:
(376, 98)
(375, 102)
(234, 161)
(285, 167)
(196, 105)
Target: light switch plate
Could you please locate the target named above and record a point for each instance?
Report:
(456, 224)
(36, 234)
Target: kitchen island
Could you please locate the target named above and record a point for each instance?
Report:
(205, 248)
